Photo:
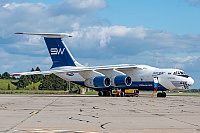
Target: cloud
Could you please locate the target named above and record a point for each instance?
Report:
(92, 43)
(188, 59)
(83, 5)
(136, 38)
(7, 66)
(195, 3)
(103, 35)
(38, 17)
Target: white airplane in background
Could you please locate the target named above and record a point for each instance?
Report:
(104, 78)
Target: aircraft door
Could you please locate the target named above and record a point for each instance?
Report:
(155, 82)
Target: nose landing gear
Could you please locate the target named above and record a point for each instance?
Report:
(156, 85)
(161, 94)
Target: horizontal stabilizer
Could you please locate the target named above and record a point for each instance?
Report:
(32, 73)
(48, 35)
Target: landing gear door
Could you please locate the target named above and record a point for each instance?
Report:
(155, 82)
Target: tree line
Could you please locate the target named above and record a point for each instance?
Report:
(47, 82)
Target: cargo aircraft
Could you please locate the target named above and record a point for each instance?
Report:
(104, 78)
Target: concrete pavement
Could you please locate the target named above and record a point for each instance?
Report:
(54, 113)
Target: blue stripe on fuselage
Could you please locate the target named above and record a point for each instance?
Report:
(139, 85)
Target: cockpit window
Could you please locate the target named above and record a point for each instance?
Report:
(180, 73)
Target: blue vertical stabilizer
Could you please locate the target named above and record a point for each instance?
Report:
(59, 53)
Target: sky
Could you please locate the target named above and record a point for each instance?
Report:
(159, 33)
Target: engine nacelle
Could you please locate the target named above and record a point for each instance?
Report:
(121, 81)
(98, 82)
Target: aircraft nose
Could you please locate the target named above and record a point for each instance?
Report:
(190, 81)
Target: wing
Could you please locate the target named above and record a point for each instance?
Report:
(109, 71)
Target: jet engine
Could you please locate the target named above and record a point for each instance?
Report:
(98, 82)
(121, 81)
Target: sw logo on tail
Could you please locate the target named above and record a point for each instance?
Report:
(56, 51)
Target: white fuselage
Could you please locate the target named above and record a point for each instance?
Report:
(142, 77)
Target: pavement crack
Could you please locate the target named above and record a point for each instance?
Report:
(183, 121)
(32, 114)
(95, 107)
(71, 118)
(102, 125)
(95, 116)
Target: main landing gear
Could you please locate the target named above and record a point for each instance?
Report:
(104, 93)
(159, 94)
(156, 85)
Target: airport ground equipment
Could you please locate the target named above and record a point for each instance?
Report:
(127, 92)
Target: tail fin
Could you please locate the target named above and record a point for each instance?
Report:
(58, 51)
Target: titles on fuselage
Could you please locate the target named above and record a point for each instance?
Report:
(157, 73)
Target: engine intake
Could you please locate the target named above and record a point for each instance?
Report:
(98, 82)
(121, 81)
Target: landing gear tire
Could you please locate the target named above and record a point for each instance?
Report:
(137, 95)
(122, 94)
(100, 93)
(164, 94)
(107, 93)
(104, 93)
(161, 94)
